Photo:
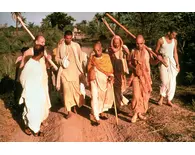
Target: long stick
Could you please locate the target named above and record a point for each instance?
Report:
(116, 115)
(125, 29)
(22, 23)
(108, 26)
(45, 53)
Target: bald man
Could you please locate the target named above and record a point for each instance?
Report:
(100, 76)
(140, 65)
(39, 40)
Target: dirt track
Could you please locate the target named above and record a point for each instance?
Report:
(163, 124)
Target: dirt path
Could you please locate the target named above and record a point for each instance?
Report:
(163, 124)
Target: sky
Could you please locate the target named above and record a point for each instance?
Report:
(36, 17)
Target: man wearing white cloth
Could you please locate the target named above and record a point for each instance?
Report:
(70, 58)
(168, 49)
(40, 40)
(33, 94)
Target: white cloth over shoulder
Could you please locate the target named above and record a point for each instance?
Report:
(33, 95)
(65, 61)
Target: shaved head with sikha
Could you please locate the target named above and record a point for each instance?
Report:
(140, 42)
(98, 49)
(40, 40)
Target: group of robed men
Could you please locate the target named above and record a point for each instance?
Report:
(106, 77)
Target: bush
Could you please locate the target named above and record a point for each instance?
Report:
(189, 78)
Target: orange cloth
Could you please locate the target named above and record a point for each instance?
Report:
(103, 64)
(141, 80)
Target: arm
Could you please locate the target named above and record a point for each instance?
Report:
(152, 59)
(130, 61)
(176, 55)
(90, 70)
(57, 57)
(26, 57)
(58, 80)
(126, 50)
(158, 46)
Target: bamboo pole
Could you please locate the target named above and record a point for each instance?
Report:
(125, 29)
(109, 28)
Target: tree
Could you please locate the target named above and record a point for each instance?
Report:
(31, 25)
(59, 19)
(82, 26)
(14, 17)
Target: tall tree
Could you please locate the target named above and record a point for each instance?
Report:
(59, 19)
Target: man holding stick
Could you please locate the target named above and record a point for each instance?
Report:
(100, 76)
(40, 40)
(33, 94)
(139, 62)
(118, 53)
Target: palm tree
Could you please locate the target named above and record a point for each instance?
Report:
(14, 17)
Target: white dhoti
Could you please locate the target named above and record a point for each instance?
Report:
(33, 95)
(168, 78)
(102, 94)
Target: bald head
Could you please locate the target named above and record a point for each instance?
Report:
(40, 40)
(98, 49)
(140, 42)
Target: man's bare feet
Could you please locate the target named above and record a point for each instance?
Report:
(130, 114)
(141, 116)
(27, 131)
(94, 121)
(134, 118)
(39, 134)
(160, 102)
(75, 109)
(170, 103)
(68, 115)
(103, 116)
(44, 124)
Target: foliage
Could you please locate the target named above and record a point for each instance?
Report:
(59, 19)
(152, 25)
(189, 78)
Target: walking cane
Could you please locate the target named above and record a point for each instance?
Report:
(116, 115)
(45, 53)
(154, 54)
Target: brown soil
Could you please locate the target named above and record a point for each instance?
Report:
(163, 122)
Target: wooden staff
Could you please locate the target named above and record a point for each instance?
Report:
(45, 53)
(116, 115)
(154, 54)
(108, 26)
